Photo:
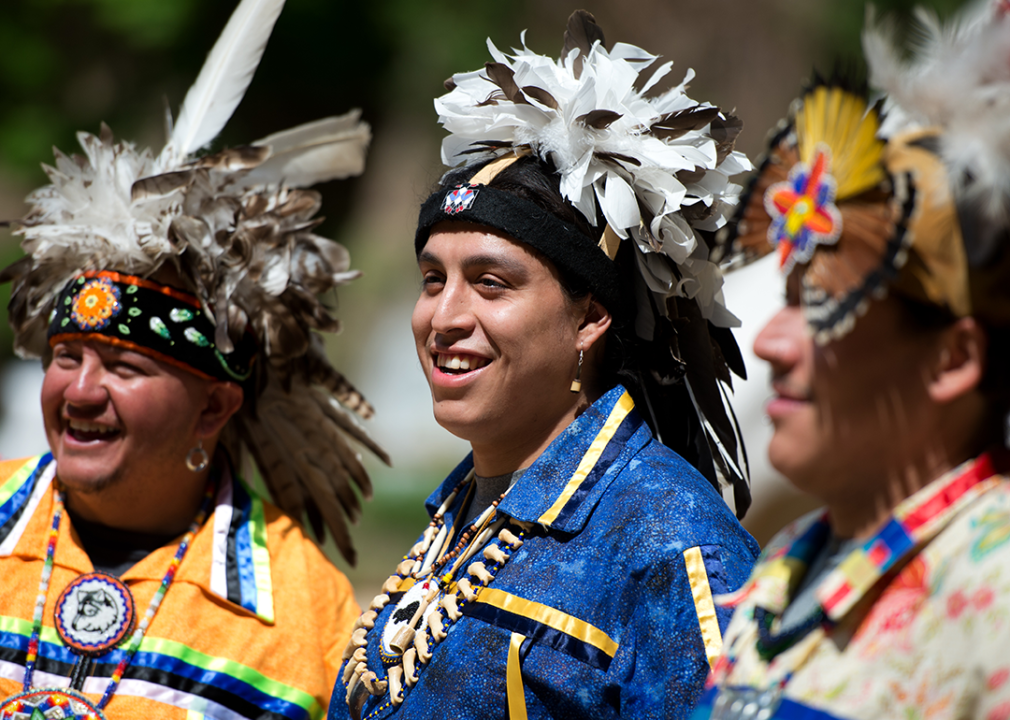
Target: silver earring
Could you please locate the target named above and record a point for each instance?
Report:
(196, 459)
(577, 382)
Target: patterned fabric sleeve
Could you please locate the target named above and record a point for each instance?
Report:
(675, 633)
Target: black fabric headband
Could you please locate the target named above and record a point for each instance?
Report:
(148, 317)
(569, 249)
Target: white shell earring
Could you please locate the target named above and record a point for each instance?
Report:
(196, 459)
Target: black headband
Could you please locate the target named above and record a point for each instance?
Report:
(570, 250)
(148, 317)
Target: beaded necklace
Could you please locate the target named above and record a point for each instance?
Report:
(76, 703)
(422, 571)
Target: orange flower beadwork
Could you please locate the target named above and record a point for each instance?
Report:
(96, 304)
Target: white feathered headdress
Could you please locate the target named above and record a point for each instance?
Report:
(237, 229)
(956, 89)
(657, 167)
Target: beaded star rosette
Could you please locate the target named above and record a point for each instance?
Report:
(49, 703)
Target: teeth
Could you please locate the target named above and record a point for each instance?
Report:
(460, 362)
(83, 426)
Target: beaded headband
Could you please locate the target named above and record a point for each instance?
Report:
(157, 320)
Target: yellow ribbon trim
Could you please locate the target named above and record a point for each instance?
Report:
(703, 604)
(624, 405)
(514, 680)
(551, 617)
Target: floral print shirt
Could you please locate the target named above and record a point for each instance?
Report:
(914, 623)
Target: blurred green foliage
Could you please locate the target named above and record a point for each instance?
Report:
(68, 65)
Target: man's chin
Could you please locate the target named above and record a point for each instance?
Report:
(81, 479)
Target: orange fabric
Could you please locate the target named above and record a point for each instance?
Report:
(313, 601)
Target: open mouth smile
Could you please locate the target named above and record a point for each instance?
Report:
(84, 431)
(459, 364)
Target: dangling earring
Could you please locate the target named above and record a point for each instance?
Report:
(196, 459)
(577, 382)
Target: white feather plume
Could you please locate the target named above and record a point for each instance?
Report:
(959, 79)
(223, 80)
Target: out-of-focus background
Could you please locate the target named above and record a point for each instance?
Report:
(69, 65)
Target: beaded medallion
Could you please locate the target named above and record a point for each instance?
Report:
(95, 304)
(45, 703)
(95, 613)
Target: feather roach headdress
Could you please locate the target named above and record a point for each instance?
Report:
(910, 194)
(649, 172)
(234, 230)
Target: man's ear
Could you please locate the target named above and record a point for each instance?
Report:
(595, 324)
(223, 400)
(961, 361)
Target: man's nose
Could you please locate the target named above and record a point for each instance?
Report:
(779, 341)
(453, 311)
(88, 385)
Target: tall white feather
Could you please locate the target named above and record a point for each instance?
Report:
(222, 81)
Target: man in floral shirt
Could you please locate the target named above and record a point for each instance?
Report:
(890, 367)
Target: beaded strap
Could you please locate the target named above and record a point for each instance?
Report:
(152, 608)
(770, 644)
(40, 600)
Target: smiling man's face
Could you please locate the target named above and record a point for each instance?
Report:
(112, 414)
(496, 336)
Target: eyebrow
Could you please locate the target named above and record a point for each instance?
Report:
(478, 261)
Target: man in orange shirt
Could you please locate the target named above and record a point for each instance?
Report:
(172, 299)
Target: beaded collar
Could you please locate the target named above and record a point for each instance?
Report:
(429, 601)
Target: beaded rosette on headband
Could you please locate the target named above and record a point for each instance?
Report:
(910, 195)
(233, 230)
(649, 171)
(157, 320)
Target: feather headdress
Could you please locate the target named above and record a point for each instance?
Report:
(929, 216)
(649, 171)
(237, 228)
(822, 199)
(957, 79)
(657, 167)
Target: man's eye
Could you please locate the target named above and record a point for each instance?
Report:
(492, 283)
